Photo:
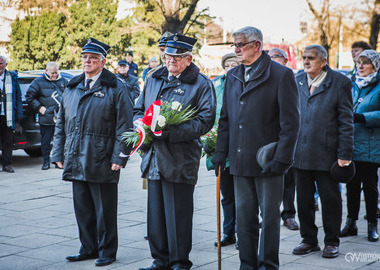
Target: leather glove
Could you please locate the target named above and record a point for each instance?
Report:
(19, 130)
(359, 118)
(145, 147)
(164, 135)
(219, 159)
(207, 150)
(275, 168)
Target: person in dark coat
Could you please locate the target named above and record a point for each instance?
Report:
(133, 68)
(131, 81)
(10, 112)
(95, 110)
(326, 136)
(44, 95)
(171, 163)
(289, 211)
(260, 106)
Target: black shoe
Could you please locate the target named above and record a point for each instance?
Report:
(46, 165)
(350, 229)
(104, 261)
(226, 240)
(291, 224)
(305, 248)
(8, 169)
(373, 236)
(155, 267)
(82, 257)
(330, 251)
(146, 237)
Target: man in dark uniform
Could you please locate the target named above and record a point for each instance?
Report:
(133, 68)
(131, 81)
(10, 112)
(96, 109)
(171, 163)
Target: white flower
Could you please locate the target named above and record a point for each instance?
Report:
(161, 120)
(176, 106)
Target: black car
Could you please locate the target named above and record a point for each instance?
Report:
(30, 139)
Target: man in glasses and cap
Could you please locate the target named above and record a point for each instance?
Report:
(95, 110)
(131, 81)
(171, 163)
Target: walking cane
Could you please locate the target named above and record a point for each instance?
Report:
(218, 218)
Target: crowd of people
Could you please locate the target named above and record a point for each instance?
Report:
(278, 134)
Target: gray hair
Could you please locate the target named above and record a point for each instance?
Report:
(321, 52)
(4, 59)
(251, 34)
(280, 51)
(52, 64)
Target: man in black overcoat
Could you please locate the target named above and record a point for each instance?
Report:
(326, 136)
(260, 106)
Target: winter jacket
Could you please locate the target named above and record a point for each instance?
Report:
(132, 85)
(88, 134)
(367, 136)
(177, 159)
(326, 132)
(263, 110)
(16, 98)
(40, 93)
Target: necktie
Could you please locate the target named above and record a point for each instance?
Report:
(171, 78)
(87, 87)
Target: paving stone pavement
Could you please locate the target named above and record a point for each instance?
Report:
(38, 228)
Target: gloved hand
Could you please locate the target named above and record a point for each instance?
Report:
(219, 159)
(18, 129)
(164, 135)
(275, 168)
(359, 118)
(207, 150)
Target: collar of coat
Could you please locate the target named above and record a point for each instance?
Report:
(188, 76)
(263, 71)
(107, 78)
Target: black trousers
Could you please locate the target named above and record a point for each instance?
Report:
(228, 201)
(47, 133)
(289, 211)
(6, 136)
(366, 173)
(95, 206)
(331, 201)
(252, 193)
(170, 223)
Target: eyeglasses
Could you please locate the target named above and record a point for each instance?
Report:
(176, 58)
(241, 45)
(90, 57)
(277, 56)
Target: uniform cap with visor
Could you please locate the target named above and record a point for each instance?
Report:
(95, 46)
(180, 45)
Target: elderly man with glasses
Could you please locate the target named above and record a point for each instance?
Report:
(260, 107)
(171, 163)
(95, 110)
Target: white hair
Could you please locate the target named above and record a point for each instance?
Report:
(52, 64)
(280, 51)
(251, 33)
(4, 59)
(321, 52)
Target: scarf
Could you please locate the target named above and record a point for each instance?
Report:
(316, 82)
(9, 103)
(362, 82)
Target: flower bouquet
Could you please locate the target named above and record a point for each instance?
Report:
(159, 116)
(209, 139)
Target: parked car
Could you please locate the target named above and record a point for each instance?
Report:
(30, 139)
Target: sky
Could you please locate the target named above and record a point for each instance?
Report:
(277, 19)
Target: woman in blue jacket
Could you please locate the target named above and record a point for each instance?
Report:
(366, 100)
